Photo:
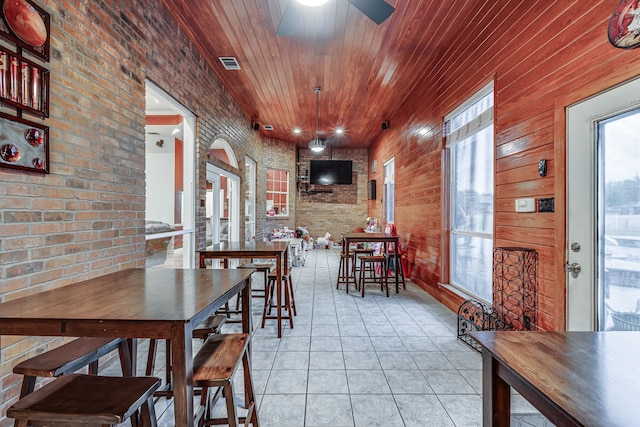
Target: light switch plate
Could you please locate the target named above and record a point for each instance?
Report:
(526, 205)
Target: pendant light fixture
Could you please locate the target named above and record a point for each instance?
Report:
(317, 145)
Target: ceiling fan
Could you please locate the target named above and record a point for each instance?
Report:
(376, 10)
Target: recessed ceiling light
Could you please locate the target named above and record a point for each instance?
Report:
(339, 131)
(312, 3)
(297, 131)
(425, 131)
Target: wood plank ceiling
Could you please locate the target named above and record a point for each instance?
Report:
(366, 71)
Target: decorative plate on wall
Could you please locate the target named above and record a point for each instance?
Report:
(624, 25)
(24, 145)
(27, 25)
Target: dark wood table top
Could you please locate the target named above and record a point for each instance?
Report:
(590, 377)
(256, 246)
(370, 237)
(128, 296)
(136, 303)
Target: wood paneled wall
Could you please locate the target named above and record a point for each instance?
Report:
(542, 56)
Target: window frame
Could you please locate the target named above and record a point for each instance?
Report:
(279, 193)
(453, 140)
(388, 176)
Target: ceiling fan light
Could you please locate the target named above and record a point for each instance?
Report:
(312, 3)
(317, 145)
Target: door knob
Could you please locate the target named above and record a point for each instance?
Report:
(573, 268)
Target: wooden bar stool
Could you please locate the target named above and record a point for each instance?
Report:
(289, 299)
(214, 366)
(212, 325)
(263, 267)
(357, 263)
(369, 265)
(71, 357)
(342, 269)
(88, 400)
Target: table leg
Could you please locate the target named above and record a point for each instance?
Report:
(496, 394)
(396, 265)
(345, 243)
(279, 291)
(182, 371)
(248, 329)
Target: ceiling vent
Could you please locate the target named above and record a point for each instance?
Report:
(267, 127)
(229, 62)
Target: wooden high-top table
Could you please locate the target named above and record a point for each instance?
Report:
(136, 303)
(383, 238)
(572, 378)
(279, 251)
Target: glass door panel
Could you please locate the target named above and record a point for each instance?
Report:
(618, 239)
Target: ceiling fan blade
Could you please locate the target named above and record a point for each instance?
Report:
(376, 10)
(290, 19)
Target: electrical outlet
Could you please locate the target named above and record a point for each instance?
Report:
(546, 205)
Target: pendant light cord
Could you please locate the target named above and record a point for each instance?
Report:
(317, 90)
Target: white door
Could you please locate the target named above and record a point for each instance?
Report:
(223, 205)
(603, 211)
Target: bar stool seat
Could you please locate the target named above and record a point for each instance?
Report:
(78, 399)
(214, 366)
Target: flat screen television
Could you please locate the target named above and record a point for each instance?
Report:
(330, 172)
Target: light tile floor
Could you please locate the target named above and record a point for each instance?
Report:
(372, 361)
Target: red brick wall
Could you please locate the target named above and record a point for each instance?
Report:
(86, 218)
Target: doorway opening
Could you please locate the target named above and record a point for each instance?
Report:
(170, 172)
(222, 197)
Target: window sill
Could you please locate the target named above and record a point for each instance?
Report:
(278, 217)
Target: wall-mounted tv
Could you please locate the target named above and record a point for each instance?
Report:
(330, 172)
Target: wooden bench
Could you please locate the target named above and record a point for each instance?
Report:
(71, 357)
(213, 367)
(83, 400)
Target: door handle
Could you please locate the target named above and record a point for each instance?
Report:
(573, 268)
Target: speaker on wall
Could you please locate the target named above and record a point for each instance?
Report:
(385, 125)
(255, 126)
(371, 189)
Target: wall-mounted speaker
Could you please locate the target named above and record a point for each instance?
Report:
(385, 125)
(371, 189)
(374, 166)
(255, 126)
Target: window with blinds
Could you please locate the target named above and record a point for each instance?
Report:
(470, 150)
